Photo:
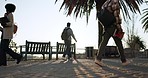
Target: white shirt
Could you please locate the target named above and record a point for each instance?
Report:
(8, 31)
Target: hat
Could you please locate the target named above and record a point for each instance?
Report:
(10, 7)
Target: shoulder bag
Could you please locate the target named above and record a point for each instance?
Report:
(105, 17)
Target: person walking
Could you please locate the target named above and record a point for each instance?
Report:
(113, 7)
(67, 41)
(7, 35)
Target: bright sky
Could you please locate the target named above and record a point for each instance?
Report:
(40, 20)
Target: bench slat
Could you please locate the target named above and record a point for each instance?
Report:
(36, 48)
(61, 48)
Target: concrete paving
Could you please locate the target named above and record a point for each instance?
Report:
(80, 68)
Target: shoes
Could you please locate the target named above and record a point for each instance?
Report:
(99, 63)
(125, 63)
(71, 59)
(64, 58)
(19, 60)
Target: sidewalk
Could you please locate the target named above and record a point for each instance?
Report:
(80, 68)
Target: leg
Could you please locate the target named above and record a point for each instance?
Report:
(120, 48)
(105, 39)
(101, 49)
(100, 28)
(65, 52)
(6, 48)
(3, 60)
(108, 33)
(68, 48)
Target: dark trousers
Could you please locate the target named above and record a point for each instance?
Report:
(4, 48)
(68, 48)
(106, 36)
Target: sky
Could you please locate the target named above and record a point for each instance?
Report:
(41, 20)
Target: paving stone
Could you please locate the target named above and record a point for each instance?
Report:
(80, 68)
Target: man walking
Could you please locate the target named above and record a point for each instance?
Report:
(67, 41)
(113, 7)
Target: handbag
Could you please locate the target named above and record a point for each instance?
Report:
(4, 19)
(106, 18)
(15, 29)
(118, 34)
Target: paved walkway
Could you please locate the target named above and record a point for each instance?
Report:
(80, 68)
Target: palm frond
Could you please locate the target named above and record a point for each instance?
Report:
(144, 19)
(84, 7)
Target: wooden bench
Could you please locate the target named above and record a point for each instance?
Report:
(60, 48)
(35, 48)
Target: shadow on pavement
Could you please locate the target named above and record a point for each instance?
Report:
(80, 68)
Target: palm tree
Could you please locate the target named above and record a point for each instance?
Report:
(136, 44)
(139, 43)
(133, 41)
(144, 19)
(84, 7)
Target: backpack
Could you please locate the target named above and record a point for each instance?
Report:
(15, 28)
(64, 35)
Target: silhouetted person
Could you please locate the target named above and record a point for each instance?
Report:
(112, 6)
(7, 35)
(68, 42)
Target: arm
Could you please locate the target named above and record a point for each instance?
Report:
(71, 32)
(116, 11)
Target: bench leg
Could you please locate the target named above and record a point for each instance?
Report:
(56, 56)
(50, 56)
(74, 55)
(25, 56)
(43, 56)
